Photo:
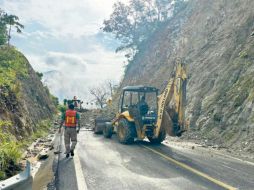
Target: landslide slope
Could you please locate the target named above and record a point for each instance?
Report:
(214, 39)
(24, 101)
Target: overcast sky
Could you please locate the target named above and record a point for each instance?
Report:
(62, 39)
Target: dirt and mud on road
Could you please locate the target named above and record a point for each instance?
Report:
(41, 156)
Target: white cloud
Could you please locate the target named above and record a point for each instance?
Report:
(73, 74)
(62, 17)
(62, 39)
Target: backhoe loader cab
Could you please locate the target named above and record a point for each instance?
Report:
(139, 96)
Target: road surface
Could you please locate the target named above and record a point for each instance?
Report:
(105, 164)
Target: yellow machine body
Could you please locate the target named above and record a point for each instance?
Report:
(170, 114)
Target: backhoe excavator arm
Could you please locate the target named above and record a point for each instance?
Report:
(171, 104)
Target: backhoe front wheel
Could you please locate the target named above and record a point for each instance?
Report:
(159, 139)
(96, 130)
(108, 130)
(125, 131)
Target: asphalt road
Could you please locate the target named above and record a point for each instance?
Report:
(106, 164)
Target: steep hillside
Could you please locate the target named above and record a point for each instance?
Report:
(214, 39)
(24, 101)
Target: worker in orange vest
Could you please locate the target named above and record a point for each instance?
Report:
(71, 122)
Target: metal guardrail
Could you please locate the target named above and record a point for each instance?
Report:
(21, 181)
(58, 141)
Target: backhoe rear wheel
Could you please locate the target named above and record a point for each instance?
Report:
(125, 131)
(161, 137)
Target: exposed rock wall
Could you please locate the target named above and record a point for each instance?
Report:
(28, 103)
(214, 39)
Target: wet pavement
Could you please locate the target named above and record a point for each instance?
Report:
(107, 164)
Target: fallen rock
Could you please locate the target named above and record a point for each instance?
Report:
(43, 154)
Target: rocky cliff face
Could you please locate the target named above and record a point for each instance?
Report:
(213, 37)
(24, 101)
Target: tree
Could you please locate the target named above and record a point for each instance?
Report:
(119, 23)
(3, 29)
(6, 24)
(103, 92)
(134, 23)
(100, 94)
(12, 20)
(40, 75)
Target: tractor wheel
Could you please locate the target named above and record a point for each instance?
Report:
(125, 131)
(161, 137)
(108, 130)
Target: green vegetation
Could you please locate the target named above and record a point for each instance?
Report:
(42, 129)
(11, 150)
(4, 123)
(54, 99)
(40, 75)
(62, 108)
(229, 135)
(243, 54)
(217, 117)
(3, 29)
(10, 153)
(13, 65)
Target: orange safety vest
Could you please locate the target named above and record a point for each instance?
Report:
(70, 118)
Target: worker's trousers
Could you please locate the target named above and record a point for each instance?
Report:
(70, 136)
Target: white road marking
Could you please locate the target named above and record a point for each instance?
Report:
(79, 173)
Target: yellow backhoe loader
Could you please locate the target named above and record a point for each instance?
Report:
(145, 113)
